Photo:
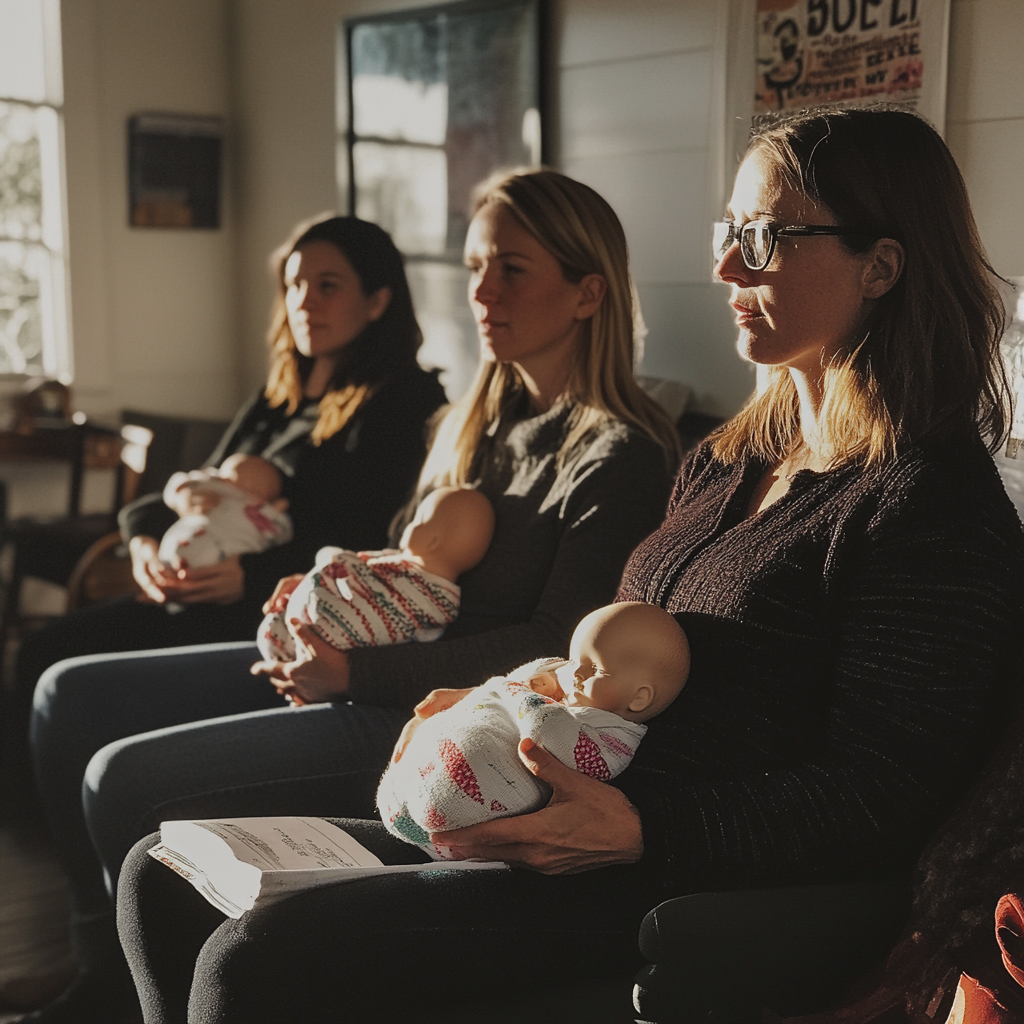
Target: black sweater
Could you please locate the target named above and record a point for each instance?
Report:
(851, 646)
(561, 538)
(344, 491)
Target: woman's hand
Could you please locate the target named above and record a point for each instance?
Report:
(319, 672)
(586, 824)
(159, 583)
(436, 700)
(278, 600)
(223, 583)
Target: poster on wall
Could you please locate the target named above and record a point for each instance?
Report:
(846, 52)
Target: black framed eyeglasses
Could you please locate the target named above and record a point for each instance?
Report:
(757, 238)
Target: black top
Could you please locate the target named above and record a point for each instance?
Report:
(344, 491)
(562, 535)
(852, 644)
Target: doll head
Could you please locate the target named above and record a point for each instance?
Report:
(630, 658)
(253, 474)
(450, 532)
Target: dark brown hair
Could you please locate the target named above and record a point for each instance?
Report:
(929, 363)
(385, 346)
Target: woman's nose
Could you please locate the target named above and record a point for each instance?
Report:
(484, 288)
(730, 266)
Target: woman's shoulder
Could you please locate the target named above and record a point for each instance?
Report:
(413, 383)
(953, 481)
(611, 437)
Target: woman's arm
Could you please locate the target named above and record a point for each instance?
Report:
(921, 652)
(345, 491)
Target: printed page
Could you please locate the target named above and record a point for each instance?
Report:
(275, 844)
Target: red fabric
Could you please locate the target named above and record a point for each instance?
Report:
(977, 1004)
(1010, 934)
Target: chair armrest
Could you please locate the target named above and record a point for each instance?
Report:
(723, 956)
(78, 580)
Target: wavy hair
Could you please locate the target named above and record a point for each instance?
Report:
(928, 364)
(385, 345)
(572, 222)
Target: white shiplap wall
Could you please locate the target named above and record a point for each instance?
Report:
(985, 120)
(639, 91)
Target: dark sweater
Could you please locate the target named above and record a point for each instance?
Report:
(344, 491)
(851, 646)
(561, 539)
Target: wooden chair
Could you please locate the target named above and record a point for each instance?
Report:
(155, 447)
(81, 551)
(47, 547)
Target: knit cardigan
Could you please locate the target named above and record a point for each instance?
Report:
(852, 644)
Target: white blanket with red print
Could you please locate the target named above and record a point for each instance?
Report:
(462, 765)
(238, 524)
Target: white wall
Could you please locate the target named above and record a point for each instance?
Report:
(641, 96)
(634, 99)
(153, 311)
(985, 121)
(638, 107)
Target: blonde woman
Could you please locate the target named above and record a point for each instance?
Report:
(577, 463)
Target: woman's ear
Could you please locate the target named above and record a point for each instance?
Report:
(592, 291)
(885, 264)
(379, 302)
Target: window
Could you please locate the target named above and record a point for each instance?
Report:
(33, 298)
(438, 98)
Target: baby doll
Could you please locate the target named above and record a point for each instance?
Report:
(247, 513)
(627, 663)
(367, 598)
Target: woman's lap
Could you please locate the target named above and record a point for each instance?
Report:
(396, 947)
(125, 624)
(187, 732)
(321, 759)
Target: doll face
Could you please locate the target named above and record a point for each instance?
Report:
(595, 677)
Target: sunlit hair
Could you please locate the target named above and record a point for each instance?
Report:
(928, 363)
(573, 223)
(385, 346)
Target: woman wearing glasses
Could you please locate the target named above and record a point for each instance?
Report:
(848, 569)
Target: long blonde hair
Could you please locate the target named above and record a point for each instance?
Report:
(386, 345)
(584, 235)
(928, 364)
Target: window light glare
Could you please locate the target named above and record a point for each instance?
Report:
(22, 51)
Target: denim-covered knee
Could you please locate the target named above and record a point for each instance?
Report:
(61, 703)
(114, 799)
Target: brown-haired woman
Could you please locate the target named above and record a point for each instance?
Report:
(847, 567)
(342, 417)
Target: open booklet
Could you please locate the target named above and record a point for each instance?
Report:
(236, 862)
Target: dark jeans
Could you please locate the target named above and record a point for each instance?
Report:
(125, 624)
(122, 742)
(403, 947)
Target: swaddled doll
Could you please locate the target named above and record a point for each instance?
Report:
(368, 598)
(233, 510)
(627, 662)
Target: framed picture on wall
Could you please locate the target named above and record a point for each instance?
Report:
(174, 171)
(813, 52)
(439, 97)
